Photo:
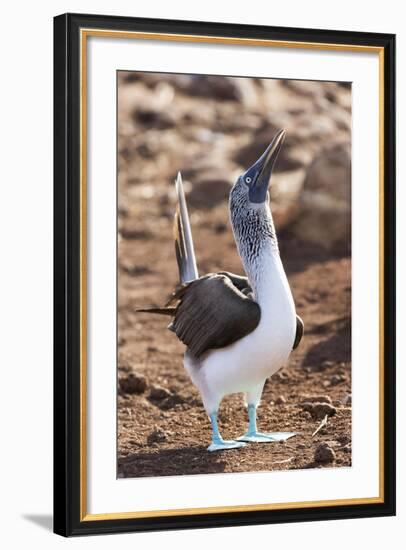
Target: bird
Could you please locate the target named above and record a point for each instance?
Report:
(238, 330)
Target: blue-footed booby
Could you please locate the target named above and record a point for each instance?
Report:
(238, 330)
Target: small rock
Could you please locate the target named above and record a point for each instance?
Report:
(131, 231)
(133, 269)
(319, 410)
(280, 376)
(280, 400)
(324, 454)
(220, 227)
(133, 383)
(343, 439)
(172, 402)
(124, 364)
(222, 88)
(157, 436)
(151, 117)
(320, 328)
(347, 400)
(337, 379)
(318, 367)
(158, 393)
(346, 448)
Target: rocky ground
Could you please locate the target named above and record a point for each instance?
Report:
(211, 128)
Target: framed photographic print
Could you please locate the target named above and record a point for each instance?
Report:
(224, 274)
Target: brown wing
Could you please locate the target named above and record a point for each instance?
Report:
(239, 281)
(213, 313)
(299, 331)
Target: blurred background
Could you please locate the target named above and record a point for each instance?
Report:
(212, 128)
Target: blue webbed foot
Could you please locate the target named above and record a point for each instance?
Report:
(217, 442)
(253, 435)
(222, 445)
(258, 437)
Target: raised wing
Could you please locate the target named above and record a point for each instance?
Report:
(184, 249)
(212, 313)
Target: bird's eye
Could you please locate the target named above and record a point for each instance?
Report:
(248, 179)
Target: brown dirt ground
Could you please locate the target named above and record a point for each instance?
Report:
(321, 366)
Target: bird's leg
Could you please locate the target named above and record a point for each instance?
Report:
(217, 442)
(252, 419)
(253, 435)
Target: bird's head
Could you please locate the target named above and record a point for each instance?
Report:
(252, 186)
(251, 217)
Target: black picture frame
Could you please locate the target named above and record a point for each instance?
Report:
(67, 351)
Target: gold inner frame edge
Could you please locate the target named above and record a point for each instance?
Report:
(84, 34)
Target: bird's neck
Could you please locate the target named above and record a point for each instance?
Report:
(258, 248)
(266, 275)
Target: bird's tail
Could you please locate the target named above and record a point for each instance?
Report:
(185, 253)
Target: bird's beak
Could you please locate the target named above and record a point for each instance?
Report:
(260, 172)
